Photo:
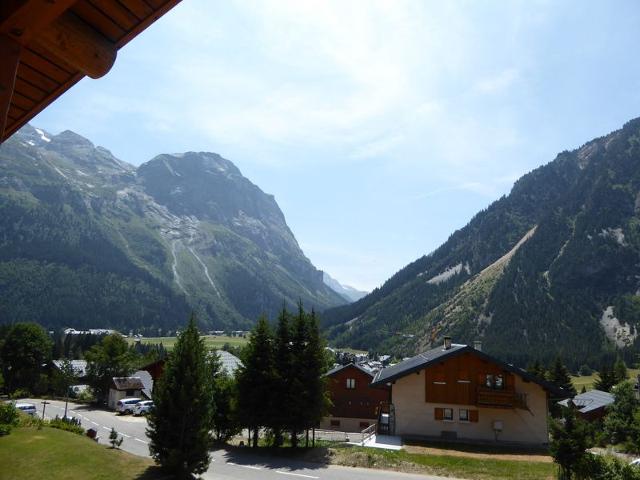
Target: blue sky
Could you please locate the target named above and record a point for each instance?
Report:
(380, 127)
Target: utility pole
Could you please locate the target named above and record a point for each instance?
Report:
(44, 406)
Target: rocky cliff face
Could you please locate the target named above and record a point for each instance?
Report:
(87, 240)
(552, 268)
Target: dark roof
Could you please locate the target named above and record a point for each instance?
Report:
(425, 359)
(333, 371)
(79, 366)
(128, 383)
(589, 401)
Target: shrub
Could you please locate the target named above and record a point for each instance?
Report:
(86, 396)
(585, 370)
(8, 418)
(67, 424)
(598, 467)
(20, 393)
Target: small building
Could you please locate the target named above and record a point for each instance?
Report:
(590, 405)
(229, 363)
(79, 366)
(459, 392)
(354, 404)
(124, 387)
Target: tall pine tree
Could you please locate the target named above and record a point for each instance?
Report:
(284, 391)
(179, 423)
(560, 376)
(256, 381)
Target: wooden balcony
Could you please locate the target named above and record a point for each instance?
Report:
(488, 397)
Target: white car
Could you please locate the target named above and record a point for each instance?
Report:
(636, 462)
(28, 408)
(126, 405)
(143, 407)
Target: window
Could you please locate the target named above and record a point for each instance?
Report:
(335, 423)
(130, 393)
(463, 415)
(351, 383)
(447, 414)
(495, 382)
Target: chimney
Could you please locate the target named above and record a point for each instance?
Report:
(477, 344)
(447, 343)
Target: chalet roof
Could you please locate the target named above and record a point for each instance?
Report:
(147, 382)
(128, 383)
(46, 47)
(229, 362)
(335, 370)
(79, 366)
(438, 354)
(589, 401)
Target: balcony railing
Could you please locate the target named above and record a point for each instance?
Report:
(489, 397)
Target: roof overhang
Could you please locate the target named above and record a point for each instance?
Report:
(382, 380)
(47, 46)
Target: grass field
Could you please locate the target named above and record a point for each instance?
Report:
(445, 465)
(211, 341)
(588, 380)
(28, 453)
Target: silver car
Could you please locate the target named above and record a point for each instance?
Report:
(143, 407)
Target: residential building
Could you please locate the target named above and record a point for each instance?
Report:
(459, 392)
(124, 387)
(590, 405)
(354, 404)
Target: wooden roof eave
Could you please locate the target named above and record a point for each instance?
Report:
(65, 38)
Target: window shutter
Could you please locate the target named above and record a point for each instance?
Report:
(473, 415)
(438, 413)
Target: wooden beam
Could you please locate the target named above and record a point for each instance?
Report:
(75, 42)
(25, 19)
(9, 60)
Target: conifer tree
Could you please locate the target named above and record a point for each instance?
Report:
(181, 418)
(560, 376)
(606, 379)
(620, 370)
(299, 378)
(314, 367)
(256, 380)
(283, 392)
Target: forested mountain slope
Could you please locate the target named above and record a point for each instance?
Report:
(552, 268)
(89, 241)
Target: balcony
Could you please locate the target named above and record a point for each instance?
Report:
(488, 397)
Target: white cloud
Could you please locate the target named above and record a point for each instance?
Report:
(499, 82)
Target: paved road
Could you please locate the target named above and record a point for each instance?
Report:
(233, 464)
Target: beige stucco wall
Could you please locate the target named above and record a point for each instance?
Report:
(350, 425)
(415, 417)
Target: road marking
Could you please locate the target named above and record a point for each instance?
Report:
(141, 441)
(106, 428)
(125, 435)
(96, 424)
(249, 466)
(295, 474)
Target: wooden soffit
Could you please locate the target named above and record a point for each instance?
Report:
(46, 46)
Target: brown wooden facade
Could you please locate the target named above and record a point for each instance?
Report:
(467, 379)
(351, 396)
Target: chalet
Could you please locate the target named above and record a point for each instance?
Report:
(459, 392)
(590, 405)
(124, 387)
(354, 404)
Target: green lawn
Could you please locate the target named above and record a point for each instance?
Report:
(445, 465)
(28, 453)
(211, 341)
(589, 380)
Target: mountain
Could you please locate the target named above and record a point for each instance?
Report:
(87, 240)
(551, 269)
(348, 293)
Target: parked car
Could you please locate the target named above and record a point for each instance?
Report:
(28, 408)
(143, 407)
(126, 405)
